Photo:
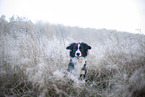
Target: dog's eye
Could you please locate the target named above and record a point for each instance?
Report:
(80, 48)
(75, 47)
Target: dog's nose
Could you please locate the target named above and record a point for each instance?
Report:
(78, 54)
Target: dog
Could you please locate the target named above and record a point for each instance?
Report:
(78, 59)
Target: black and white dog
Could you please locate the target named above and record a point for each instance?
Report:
(77, 64)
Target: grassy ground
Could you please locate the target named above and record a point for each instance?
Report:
(33, 61)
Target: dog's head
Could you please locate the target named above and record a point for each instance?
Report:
(78, 50)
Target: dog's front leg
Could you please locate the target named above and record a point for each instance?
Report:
(83, 73)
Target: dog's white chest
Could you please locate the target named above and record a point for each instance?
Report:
(78, 65)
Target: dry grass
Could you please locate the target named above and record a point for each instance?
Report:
(33, 62)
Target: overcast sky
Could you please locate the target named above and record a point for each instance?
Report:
(121, 15)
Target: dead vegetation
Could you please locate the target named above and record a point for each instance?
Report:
(33, 61)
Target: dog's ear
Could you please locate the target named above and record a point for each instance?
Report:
(70, 47)
(86, 46)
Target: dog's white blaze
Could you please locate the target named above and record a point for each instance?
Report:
(78, 51)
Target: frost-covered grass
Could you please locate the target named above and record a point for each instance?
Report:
(33, 61)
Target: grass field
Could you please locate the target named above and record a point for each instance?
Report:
(33, 61)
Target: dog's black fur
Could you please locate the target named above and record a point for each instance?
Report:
(83, 48)
(77, 51)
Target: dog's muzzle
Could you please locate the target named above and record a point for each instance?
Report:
(78, 55)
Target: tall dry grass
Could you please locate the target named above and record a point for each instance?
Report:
(33, 61)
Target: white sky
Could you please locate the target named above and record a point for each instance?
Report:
(122, 15)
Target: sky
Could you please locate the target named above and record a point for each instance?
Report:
(121, 15)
